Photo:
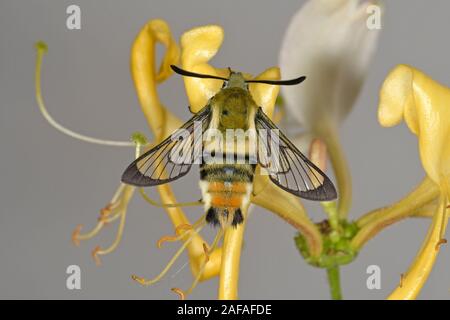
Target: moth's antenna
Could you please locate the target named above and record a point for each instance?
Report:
(186, 73)
(195, 75)
(291, 82)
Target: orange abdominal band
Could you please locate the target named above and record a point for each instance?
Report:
(233, 187)
(227, 202)
(226, 194)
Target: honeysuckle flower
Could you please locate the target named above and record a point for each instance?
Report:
(410, 95)
(198, 46)
(330, 43)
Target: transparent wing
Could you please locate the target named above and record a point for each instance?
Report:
(173, 157)
(287, 167)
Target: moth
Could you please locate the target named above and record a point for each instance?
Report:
(227, 169)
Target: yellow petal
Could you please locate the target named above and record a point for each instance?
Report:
(409, 94)
(423, 103)
(231, 255)
(264, 94)
(198, 46)
(421, 268)
(143, 71)
(377, 220)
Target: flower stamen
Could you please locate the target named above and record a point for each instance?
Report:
(104, 213)
(113, 217)
(98, 251)
(77, 236)
(95, 256)
(206, 252)
(164, 239)
(168, 205)
(146, 282)
(104, 218)
(440, 243)
(179, 233)
(108, 214)
(180, 293)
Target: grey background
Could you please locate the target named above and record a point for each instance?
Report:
(50, 183)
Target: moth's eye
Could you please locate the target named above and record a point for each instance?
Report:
(225, 83)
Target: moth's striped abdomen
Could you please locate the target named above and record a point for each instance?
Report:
(226, 190)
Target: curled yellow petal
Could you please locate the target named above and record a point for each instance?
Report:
(145, 77)
(198, 46)
(423, 103)
(143, 71)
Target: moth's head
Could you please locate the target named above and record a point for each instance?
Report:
(236, 79)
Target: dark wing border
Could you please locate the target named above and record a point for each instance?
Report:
(325, 192)
(133, 176)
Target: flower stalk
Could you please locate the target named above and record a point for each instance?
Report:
(334, 282)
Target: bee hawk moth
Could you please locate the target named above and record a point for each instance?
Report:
(227, 165)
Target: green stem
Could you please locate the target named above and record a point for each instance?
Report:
(335, 282)
(330, 208)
